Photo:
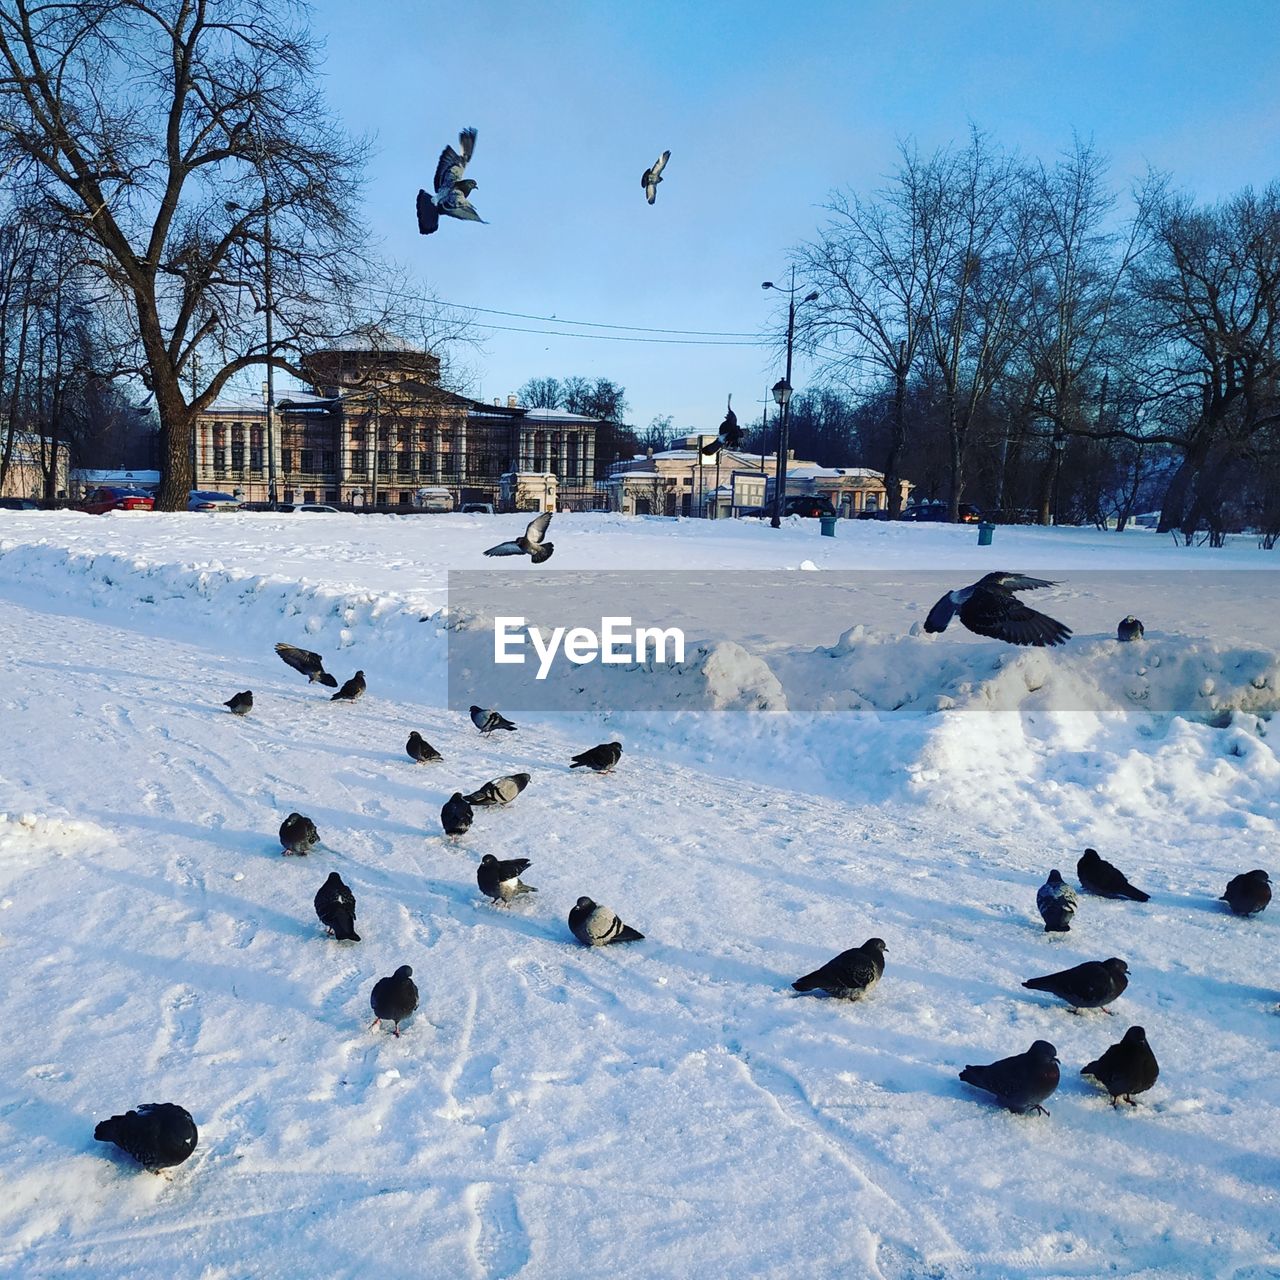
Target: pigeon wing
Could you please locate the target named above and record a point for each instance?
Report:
(506, 549)
(449, 168)
(428, 214)
(537, 529)
(996, 613)
(660, 163)
(300, 659)
(1013, 582)
(940, 615)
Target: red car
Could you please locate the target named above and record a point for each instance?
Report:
(100, 501)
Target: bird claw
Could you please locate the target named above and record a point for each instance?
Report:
(1044, 1111)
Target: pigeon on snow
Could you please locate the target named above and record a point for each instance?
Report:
(1248, 894)
(393, 999)
(241, 703)
(1126, 1068)
(1056, 902)
(336, 907)
(500, 791)
(421, 750)
(298, 835)
(990, 608)
(653, 175)
(850, 975)
(353, 689)
(310, 664)
(601, 758)
(158, 1135)
(596, 926)
(487, 720)
(1092, 985)
(530, 543)
(730, 436)
(456, 816)
(501, 880)
(1129, 629)
(1020, 1083)
(451, 188)
(1098, 876)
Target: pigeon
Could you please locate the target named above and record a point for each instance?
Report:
(298, 835)
(1129, 629)
(1126, 1068)
(1248, 894)
(310, 664)
(451, 188)
(500, 791)
(990, 608)
(353, 689)
(1022, 1082)
(530, 544)
(1056, 903)
(730, 436)
(158, 1135)
(336, 907)
(420, 749)
(601, 758)
(456, 816)
(501, 880)
(487, 720)
(241, 703)
(653, 175)
(596, 926)
(850, 975)
(1092, 985)
(393, 999)
(1098, 876)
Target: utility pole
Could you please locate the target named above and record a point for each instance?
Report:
(268, 299)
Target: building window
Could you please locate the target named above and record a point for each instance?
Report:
(308, 462)
(308, 495)
(331, 495)
(288, 495)
(424, 463)
(326, 462)
(255, 458)
(404, 497)
(359, 463)
(237, 452)
(404, 463)
(286, 459)
(384, 462)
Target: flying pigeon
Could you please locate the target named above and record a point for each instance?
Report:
(393, 999)
(456, 816)
(850, 975)
(596, 926)
(601, 758)
(336, 907)
(530, 544)
(730, 436)
(1248, 894)
(487, 720)
(990, 608)
(501, 880)
(310, 664)
(500, 791)
(158, 1135)
(298, 835)
(1098, 876)
(1092, 985)
(1056, 903)
(241, 703)
(1129, 629)
(1022, 1082)
(353, 689)
(653, 175)
(451, 188)
(420, 749)
(1126, 1068)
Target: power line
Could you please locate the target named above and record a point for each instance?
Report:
(617, 337)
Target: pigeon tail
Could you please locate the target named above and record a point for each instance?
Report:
(808, 983)
(628, 934)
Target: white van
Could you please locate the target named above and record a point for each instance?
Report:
(434, 498)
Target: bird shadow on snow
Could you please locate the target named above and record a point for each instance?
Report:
(42, 1121)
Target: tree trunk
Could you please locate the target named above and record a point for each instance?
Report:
(176, 480)
(957, 459)
(897, 442)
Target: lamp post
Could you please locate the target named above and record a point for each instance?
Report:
(1058, 443)
(782, 394)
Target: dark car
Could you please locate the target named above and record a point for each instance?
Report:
(796, 504)
(19, 504)
(939, 513)
(109, 498)
(871, 513)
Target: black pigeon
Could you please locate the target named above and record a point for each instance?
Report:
(298, 834)
(1129, 629)
(596, 926)
(1098, 876)
(1092, 985)
(393, 999)
(451, 188)
(353, 689)
(850, 975)
(530, 543)
(499, 791)
(1126, 1068)
(1056, 903)
(1022, 1082)
(158, 1135)
(601, 758)
(501, 880)
(420, 749)
(241, 703)
(990, 608)
(336, 907)
(456, 816)
(730, 436)
(310, 664)
(650, 178)
(487, 721)
(1248, 894)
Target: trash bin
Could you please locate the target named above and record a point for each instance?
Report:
(829, 526)
(985, 533)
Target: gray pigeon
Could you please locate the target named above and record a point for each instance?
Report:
(456, 816)
(451, 188)
(1098, 876)
(501, 880)
(158, 1135)
(487, 720)
(530, 543)
(1248, 894)
(1056, 902)
(310, 664)
(298, 835)
(393, 999)
(353, 689)
(650, 178)
(241, 703)
(421, 750)
(1020, 1083)
(1129, 629)
(336, 907)
(1092, 985)
(990, 608)
(499, 791)
(601, 758)
(850, 975)
(1126, 1068)
(596, 926)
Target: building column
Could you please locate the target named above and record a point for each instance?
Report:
(589, 458)
(460, 448)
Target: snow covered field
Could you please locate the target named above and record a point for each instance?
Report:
(669, 1108)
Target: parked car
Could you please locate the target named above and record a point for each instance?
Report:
(872, 513)
(476, 508)
(939, 513)
(19, 504)
(109, 498)
(433, 498)
(317, 507)
(795, 504)
(204, 500)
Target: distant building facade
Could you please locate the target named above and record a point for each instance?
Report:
(31, 456)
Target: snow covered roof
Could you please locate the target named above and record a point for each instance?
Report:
(555, 415)
(372, 337)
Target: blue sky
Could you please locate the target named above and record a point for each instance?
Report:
(766, 109)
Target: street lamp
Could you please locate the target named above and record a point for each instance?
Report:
(782, 394)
